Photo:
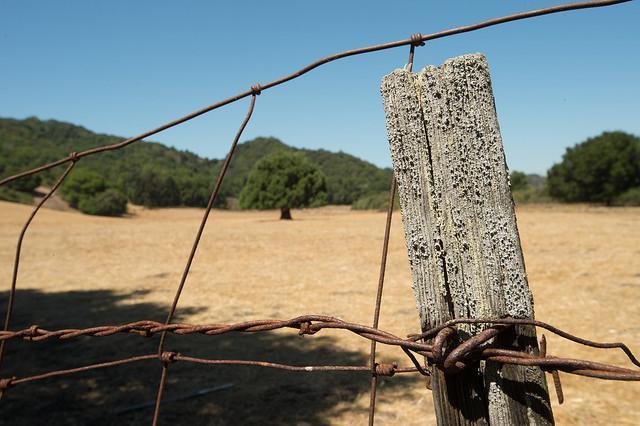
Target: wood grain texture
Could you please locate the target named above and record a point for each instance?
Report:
(461, 232)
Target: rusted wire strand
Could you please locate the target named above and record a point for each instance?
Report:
(161, 386)
(383, 265)
(383, 369)
(256, 90)
(519, 321)
(443, 352)
(207, 212)
(376, 314)
(506, 356)
(16, 259)
(312, 323)
(375, 48)
(70, 371)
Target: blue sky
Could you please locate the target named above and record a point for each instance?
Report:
(123, 67)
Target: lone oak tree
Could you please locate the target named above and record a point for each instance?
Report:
(284, 180)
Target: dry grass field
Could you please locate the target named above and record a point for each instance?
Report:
(583, 265)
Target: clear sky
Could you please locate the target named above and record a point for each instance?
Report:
(123, 67)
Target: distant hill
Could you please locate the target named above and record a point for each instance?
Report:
(187, 176)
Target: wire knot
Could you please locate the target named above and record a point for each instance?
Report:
(305, 328)
(74, 156)
(416, 40)
(168, 357)
(32, 332)
(256, 89)
(439, 350)
(388, 370)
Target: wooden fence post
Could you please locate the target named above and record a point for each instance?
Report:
(461, 233)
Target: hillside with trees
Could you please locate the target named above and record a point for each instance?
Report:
(154, 175)
(604, 169)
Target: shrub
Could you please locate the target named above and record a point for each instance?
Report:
(81, 184)
(531, 195)
(10, 194)
(631, 197)
(376, 201)
(107, 203)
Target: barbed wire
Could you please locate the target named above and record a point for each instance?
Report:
(448, 350)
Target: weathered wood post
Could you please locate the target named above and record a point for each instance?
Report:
(461, 233)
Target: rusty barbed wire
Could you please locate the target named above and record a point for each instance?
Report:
(449, 349)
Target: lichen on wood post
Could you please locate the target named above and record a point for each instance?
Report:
(461, 232)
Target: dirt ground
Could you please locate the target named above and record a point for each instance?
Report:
(76, 271)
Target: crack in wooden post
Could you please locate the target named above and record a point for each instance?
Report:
(461, 233)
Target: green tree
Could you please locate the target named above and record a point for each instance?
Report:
(597, 170)
(194, 190)
(81, 183)
(106, 203)
(152, 189)
(284, 180)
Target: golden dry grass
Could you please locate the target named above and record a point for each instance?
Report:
(583, 265)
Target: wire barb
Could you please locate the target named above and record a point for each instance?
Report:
(305, 328)
(388, 370)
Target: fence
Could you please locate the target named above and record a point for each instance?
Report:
(435, 344)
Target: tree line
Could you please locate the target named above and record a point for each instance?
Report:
(266, 173)
(154, 175)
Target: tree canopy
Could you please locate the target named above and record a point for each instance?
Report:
(284, 180)
(598, 170)
(87, 191)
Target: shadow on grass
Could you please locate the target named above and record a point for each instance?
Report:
(258, 395)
